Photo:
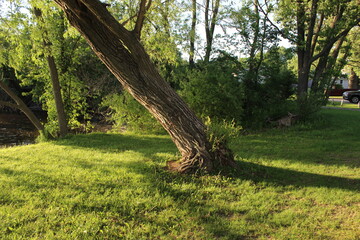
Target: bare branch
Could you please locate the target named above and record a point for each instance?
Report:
(279, 31)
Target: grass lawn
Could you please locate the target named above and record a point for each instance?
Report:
(296, 183)
(345, 104)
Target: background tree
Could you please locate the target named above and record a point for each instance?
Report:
(264, 69)
(193, 33)
(315, 28)
(353, 61)
(82, 78)
(211, 12)
(54, 74)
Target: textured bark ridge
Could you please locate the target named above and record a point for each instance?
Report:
(123, 54)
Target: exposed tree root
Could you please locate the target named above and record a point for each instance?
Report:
(204, 162)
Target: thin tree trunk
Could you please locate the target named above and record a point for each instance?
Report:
(210, 26)
(60, 110)
(123, 54)
(325, 67)
(193, 34)
(303, 65)
(353, 80)
(54, 75)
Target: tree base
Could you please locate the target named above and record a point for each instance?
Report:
(204, 162)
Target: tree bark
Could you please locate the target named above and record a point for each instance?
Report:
(325, 68)
(121, 51)
(303, 65)
(210, 26)
(308, 30)
(353, 80)
(60, 110)
(193, 34)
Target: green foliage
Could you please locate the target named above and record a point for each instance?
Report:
(213, 90)
(268, 93)
(278, 83)
(299, 183)
(221, 132)
(129, 114)
(82, 78)
(308, 105)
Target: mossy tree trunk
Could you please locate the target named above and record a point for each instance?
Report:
(123, 54)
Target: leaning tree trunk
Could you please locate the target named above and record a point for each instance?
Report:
(124, 55)
(21, 106)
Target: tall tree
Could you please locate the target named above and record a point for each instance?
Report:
(193, 32)
(122, 52)
(250, 22)
(41, 49)
(353, 61)
(211, 12)
(54, 75)
(315, 27)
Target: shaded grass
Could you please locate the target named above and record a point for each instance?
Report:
(297, 183)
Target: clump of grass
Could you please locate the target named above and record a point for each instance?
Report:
(296, 183)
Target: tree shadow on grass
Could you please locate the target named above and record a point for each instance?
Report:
(286, 177)
(150, 146)
(214, 220)
(119, 143)
(328, 141)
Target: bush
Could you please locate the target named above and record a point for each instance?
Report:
(127, 113)
(213, 90)
(268, 92)
(221, 131)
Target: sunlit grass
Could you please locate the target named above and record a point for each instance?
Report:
(296, 183)
(344, 104)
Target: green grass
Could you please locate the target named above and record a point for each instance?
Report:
(296, 183)
(345, 104)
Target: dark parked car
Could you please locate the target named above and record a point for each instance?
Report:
(352, 96)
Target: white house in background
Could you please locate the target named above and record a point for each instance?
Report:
(343, 81)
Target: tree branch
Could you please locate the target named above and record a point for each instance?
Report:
(141, 16)
(20, 105)
(311, 27)
(316, 34)
(103, 15)
(330, 44)
(278, 30)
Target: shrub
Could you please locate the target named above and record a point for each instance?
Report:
(213, 90)
(127, 113)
